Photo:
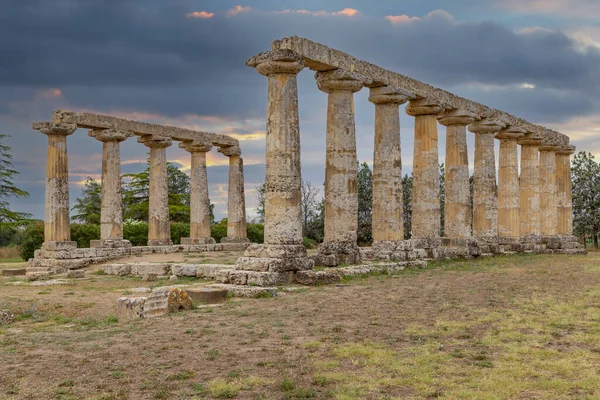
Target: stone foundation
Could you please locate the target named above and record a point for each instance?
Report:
(332, 254)
(198, 241)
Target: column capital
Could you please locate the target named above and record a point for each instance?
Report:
(109, 135)
(155, 141)
(566, 150)
(283, 61)
(387, 95)
(423, 106)
(196, 147)
(530, 138)
(54, 128)
(339, 79)
(511, 133)
(488, 125)
(555, 148)
(230, 151)
(456, 117)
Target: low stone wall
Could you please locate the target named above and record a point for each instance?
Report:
(208, 271)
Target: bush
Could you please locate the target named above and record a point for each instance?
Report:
(309, 243)
(179, 230)
(255, 232)
(83, 233)
(218, 231)
(136, 232)
(33, 238)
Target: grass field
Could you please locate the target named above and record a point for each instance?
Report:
(514, 327)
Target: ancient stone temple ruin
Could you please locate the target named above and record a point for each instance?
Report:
(58, 249)
(532, 213)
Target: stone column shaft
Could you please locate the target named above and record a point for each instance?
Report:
(426, 171)
(388, 224)
(529, 185)
(199, 199)
(159, 228)
(564, 187)
(111, 213)
(236, 199)
(57, 226)
(548, 194)
(508, 184)
(457, 207)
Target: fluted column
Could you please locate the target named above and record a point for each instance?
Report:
(548, 194)
(57, 228)
(387, 165)
(508, 183)
(341, 190)
(111, 213)
(529, 186)
(457, 205)
(564, 188)
(485, 198)
(426, 171)
(159, 228)
(199, 200)
(236, 199)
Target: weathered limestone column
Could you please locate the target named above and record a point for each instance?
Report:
(426, 170)
(111, 213)
(548, 193)
(485, 199)
(457, 205)
(388, 224)
(199, 200)
(508, 183)
(529, 186)
(565, 190)
(341, 190)
(236, 200)
(159, 228)
(57, 228)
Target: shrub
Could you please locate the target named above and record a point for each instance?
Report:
(309, 243)
(218, 231)
(255, 232)
(136, 232)
(33, 238)
(179, 230)
(83, 233)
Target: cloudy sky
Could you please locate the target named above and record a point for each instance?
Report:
(181, 62)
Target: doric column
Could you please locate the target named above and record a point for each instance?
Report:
(508, 183)
(341, 190)
(236, 200)
(387, 165)
(485, 199)
(426, 170)
(159, 228)
(111, 212)
(457, 205)
(199, 200)
(548, 192)
(57, 228)
(529, 185)
(564, 188)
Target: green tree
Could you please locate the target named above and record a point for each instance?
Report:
(260, 200)
(442, 198)
(365, 203)
(9, 220)
(87, 207)
(407, 184)
(309, 205)
(585, 174)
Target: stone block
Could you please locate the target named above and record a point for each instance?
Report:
(184, 269)
(57, 246)
(150, 268)
(269, 278)
(275, 251)
(117, 269)
(130, 308)
(14, 272)
(312, 278)
(166, 300)
(228, 246)
(6, 317)
(149, 277)
(159, 243)
(76, 274)
(222, 275)
(110, 244)
(210, 270)
(247, 291)
(197, 241)
(37, 276)
(238, 277)
(207, 295)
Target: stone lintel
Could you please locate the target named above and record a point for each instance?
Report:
(54, 128)
(196, 146)
(155, 141)
(456, 117)
(511, 133)
(388, 94)
(96, 121)
(230, 151)
(339, 79)
(423, 107)
(319, 57)
(109, 135)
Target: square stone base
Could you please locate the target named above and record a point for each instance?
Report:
(57, 246)
(197, 241)
(274, 258)
(160, 242)
(110, 244)
(232, 239)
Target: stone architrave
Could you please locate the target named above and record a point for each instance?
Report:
(548, 190)
(508, 183)
(111, 212)
(426, 170)
(199, 199)
(388, 222)
(341, 191)
(485, 200)
(457, 207)
(159, 228)
(529, 185)
(57, 228)
(564, 190)
(236, 199)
